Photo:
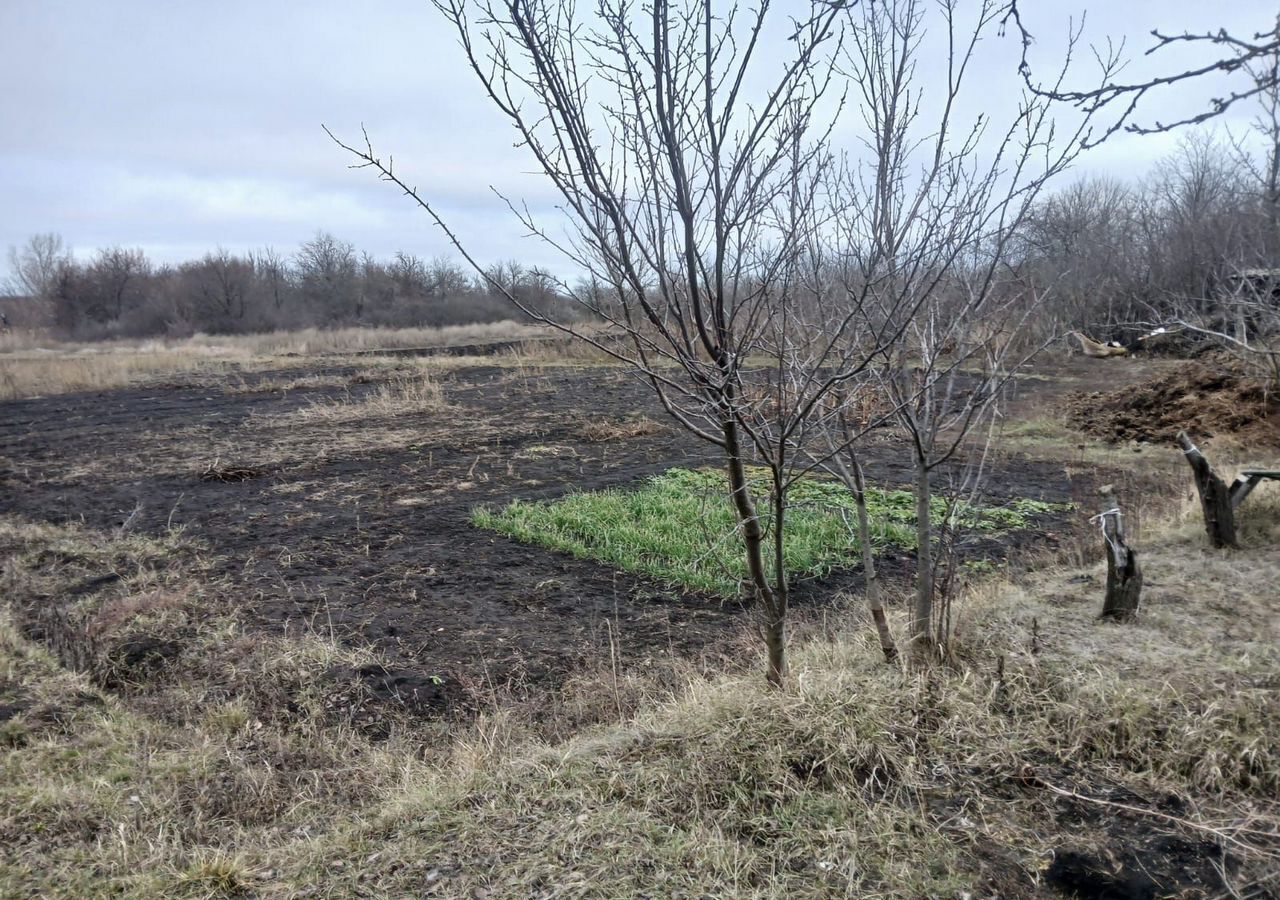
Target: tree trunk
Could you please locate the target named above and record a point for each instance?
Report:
(1124, 575)
(772, 606)
(874, 600)
(922, 614)
(1215, 496)
(775, 642)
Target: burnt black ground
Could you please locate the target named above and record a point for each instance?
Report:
(361, 529)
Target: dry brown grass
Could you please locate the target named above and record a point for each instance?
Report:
(865, 780)
(29, 376)
(34, 366)
(305, 341)
(405, 394)
(600, 432)
(337, 341)
(285, 384)
(233, 775)
(23, 339)
(556, 350)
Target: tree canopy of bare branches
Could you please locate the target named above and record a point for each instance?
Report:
(753, 274)
(34, 266)
(690, 195)
(1246, 62)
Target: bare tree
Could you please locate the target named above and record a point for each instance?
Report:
(220, 284)
(707, 215)
(684, 182)
(445, 278)
(929, 223)
(853, 416)
(1263, 168)
(1087, 241)
(34, 266)
(409, 275)
(1197, 217)
(502, 278)
(116, 278)
(327, 273)
(273, 273)
(1216, 242)
(1244, 61)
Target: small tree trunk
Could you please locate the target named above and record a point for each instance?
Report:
(774, 627)
(775, 642)
(1124, 575)
(874, 600)
(1215, 496)
(922, 613)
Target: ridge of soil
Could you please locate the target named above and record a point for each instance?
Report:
(1206, 399)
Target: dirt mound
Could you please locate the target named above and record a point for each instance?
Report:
(1203, 398)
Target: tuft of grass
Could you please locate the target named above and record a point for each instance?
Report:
(601, 432)
(217, 875)
(404, 394)
(680, 527)
(284, 385)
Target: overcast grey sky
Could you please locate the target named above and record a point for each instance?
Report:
(180, 125)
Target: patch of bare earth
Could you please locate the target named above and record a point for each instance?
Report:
(1206, 399)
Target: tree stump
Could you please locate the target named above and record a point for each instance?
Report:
(1215, 497)
(1124, 575)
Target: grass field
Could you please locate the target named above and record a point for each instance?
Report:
(680, 528)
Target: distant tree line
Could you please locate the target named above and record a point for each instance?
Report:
(119, 292)
(1168, 246)
(1106, 253)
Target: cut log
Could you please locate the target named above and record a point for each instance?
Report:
(1124, 575)
(1217, 501)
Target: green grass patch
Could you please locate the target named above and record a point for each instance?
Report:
(680, 527)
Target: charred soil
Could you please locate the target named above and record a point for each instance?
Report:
(358, 526)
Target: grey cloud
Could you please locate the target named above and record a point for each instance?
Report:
(181, 125)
